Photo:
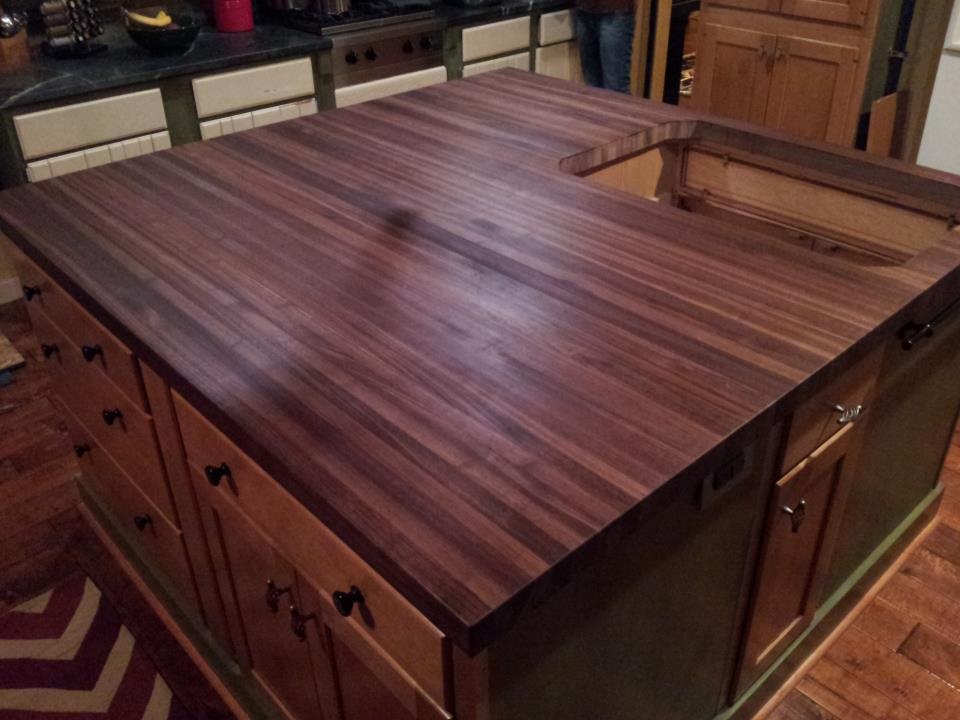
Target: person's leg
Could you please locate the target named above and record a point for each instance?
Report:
(616, 50)
(589, 42)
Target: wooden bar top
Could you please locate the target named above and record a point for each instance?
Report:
(477, 368)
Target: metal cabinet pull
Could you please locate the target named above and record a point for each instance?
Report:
(31, 291)
(797, 514)
(344, 601)
(216, 473)
(298, 622)
(142, 521)
(274, 594)
(111, 416)
(81, 450)
(49, 350)
(90, 352)
(848, 415)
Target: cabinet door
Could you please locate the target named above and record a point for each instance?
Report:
(850, 12)
(258, 589)
(733, 73)
(801, 524)
(811, 93)
(368, 684)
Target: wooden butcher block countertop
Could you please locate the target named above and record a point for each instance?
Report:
(474, 366)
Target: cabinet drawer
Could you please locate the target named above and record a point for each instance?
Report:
(819, 417)
(496, 38)
(556, 27)
(51, 167)
(385, 617)
(90, 123)
(375, 89)
(159, 542)
(251, 87)
(561, 61)
(520, 61)
(129, 438)
(107, 354)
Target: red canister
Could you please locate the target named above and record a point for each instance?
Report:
(233, 15)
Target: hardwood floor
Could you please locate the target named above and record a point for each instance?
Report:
(43, 537)
(899, 660)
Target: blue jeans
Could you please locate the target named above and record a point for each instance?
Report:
(606, 46)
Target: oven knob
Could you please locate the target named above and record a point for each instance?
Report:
(370, 54)
(408, 47)
(426, 43)
(351, 58)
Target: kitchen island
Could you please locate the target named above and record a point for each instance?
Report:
(505, 398)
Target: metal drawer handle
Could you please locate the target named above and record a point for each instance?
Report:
(274, 594)
(344, 601)
(142, 521)
(848, 415)
(49, 350)
(298, 622)
(31, 291)
(797, 514)
(111, 416)
(81, 450)
(216, 473)
(91, 351)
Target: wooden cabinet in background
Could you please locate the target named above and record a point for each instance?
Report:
(850, 12)
(801, 527)
(733, 74)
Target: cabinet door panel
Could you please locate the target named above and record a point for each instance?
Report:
(811, 89)
(850, 12)
(733, 73)
(279, 660)
(767, 5)
(802, 510)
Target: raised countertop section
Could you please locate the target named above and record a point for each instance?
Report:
(125, 63)
(476, 368)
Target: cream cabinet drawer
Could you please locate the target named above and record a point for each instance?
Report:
(520, 61)
(496, 38)
(90, 123)
(210, 129)
(375, 89)
(264, 85)
(560, 61)
(57, 165)
(556, 27)
(386, 618)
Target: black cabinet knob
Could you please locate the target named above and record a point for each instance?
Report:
(81, 450)
(141, 521)
(91, 351)
(31, 291)
(274, 593)
(370, 54)
(408, 47)
(426, 43)
(351, 58)
(298, 622)
(49, 350)
(344, 601)
(111, 416)
(216, 473)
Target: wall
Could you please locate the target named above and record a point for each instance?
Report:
(939, 147)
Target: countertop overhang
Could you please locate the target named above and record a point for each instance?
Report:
(477, 368)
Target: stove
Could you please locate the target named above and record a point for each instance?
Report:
(363, 15)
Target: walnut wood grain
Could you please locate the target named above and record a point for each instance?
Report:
(476, 368)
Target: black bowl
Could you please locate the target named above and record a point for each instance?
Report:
(166, 40)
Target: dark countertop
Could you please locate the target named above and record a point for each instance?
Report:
(126, 63)
(476, 368)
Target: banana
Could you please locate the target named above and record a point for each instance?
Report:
(161, 20)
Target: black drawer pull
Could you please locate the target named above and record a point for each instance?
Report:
(90, 352)
(216, 473)
(142, 521)
(81, 450)
(49, 350)
(274, 594)
(797, 515)
(111, 416)
(344, 601)
(298, 622)
(31, 291)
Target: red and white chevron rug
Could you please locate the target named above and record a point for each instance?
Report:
(65, 655)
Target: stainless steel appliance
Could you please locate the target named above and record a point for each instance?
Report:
(371, 54)
(333, 17)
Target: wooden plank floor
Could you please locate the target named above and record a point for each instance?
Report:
(900, 659)
(44, 539)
